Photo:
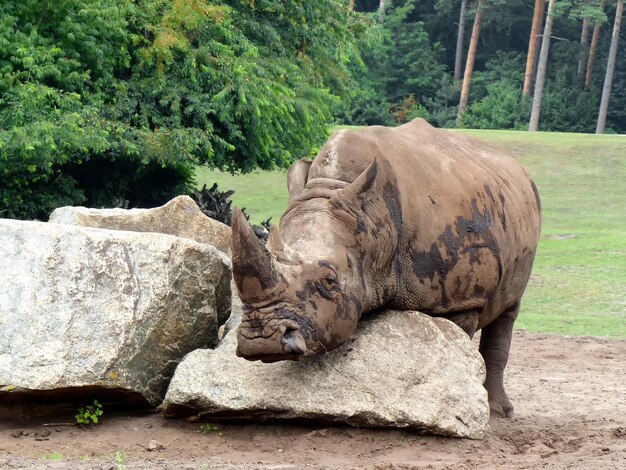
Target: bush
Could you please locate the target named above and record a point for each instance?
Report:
(502, 108)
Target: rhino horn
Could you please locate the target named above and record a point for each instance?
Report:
(361, 186)
(280, 249)
(252, 263)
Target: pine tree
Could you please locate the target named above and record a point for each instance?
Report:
(541, 69)
(533, 43)
(610, 69)
(469, 64)
(592, 50)
(458, 56)
(584, 40)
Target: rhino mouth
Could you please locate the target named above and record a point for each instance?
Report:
(278, 340)
(270, 358)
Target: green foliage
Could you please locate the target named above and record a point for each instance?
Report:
(53, 456)
(60, 64)
(207, 428)
(241, 76)
(568, 109)
(414, 62)
(502, 108)
(400, 63)
(415, 54)
(496, 96)
(443, 104)
(107, 101)
(89, 414)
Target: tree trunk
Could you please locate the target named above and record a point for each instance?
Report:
(592, 51)
(584, 40)
(381, 10)
(532, 45)
(469, 63)
(458, 58)
(541, 69)
(351, 6)
(610, 69)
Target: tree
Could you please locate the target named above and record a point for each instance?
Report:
(541, 69)
(584, 39)
(592, 49)
(469, 64)
(381, 10)
(458, 56)
(533, 43)
(610, 69)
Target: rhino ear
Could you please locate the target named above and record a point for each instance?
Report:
(361, 188)
(297, 176)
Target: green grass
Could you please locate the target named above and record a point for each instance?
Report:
(578, 285)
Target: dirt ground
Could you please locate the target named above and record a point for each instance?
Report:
(569, 394)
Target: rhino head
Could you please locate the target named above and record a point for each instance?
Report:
(304, 292)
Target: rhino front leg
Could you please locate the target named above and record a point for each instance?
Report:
(495, 343)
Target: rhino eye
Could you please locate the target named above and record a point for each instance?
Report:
(327, 285)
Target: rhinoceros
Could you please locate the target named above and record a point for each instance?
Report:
(404, 218)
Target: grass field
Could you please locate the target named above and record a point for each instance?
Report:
(578, 284)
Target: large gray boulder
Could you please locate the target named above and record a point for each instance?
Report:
(180, 217)
(401, 369)
(92, 309)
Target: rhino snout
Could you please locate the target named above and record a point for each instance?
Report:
(286, 342)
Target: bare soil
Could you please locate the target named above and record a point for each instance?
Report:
(569, 394)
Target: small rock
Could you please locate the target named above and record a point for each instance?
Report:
(154, 445)
(545, 455)
(619, 432)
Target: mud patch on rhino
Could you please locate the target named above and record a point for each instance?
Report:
(361, 227)
(391, 196)
(468, 239)
(536, 192)
(426, 264)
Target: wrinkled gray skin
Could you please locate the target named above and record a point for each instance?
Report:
(409, 218)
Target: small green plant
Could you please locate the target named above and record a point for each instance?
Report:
(210, 427)
(89, 414)
(119, 459)
(53, 456)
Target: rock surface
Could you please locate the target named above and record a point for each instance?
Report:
(92, 309)
(401, 369)
(180, 217)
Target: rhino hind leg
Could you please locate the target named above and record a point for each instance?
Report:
(495, 343)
